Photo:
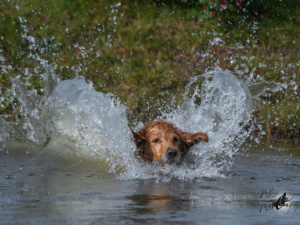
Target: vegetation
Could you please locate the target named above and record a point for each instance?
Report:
(145, 52)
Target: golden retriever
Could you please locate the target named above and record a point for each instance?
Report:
(162, 142)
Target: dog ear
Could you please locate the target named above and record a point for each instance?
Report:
(192, 139)
(138, 140)
(140, 143)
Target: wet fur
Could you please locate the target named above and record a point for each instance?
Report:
(161, 141)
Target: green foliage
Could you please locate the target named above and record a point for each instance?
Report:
(144, 52)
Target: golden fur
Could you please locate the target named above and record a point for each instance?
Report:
(161, 141)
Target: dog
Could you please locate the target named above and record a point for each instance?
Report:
(162, 142)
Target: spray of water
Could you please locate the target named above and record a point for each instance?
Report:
(71, 118)
(77, 120)
(224, 114)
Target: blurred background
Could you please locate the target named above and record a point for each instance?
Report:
(145, 52)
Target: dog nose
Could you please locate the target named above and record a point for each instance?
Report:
(172, 153)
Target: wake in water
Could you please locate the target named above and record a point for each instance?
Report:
(224, 114)
(74, 119)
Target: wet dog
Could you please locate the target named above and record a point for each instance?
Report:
(162, 142)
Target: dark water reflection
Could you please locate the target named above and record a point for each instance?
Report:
(43, 189)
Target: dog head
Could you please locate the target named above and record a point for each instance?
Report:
(162, 142)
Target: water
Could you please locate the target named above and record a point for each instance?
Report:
(46, 189)
(91, 124)
(72, 161)
(70, 118)
(69, 157)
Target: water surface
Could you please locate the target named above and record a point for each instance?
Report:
(42, 188)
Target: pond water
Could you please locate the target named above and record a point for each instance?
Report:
(42, 188)
(71, 160)
(67, 155)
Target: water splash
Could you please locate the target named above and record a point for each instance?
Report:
(224, 114)
(77, 120)
(92, 122)
(71, 118)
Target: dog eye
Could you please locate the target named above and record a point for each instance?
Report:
(156, 140)
(175, 139)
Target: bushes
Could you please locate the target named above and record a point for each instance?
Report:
(145, 53)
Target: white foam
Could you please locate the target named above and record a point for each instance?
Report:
(77, 120)
(224, 112)
(94, 122)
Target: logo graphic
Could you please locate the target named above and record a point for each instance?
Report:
(280, 203)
